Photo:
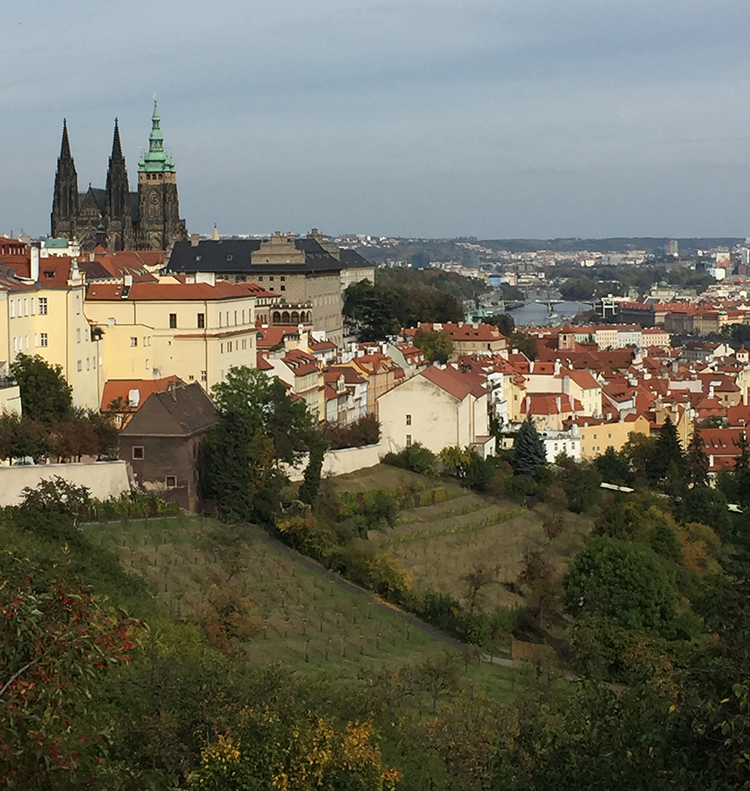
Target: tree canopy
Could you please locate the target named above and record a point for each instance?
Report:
(45, 395)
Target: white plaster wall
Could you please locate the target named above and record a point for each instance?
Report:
(105, 479)
(435, 416)
(339, 462)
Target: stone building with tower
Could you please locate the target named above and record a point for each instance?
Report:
(115, 217)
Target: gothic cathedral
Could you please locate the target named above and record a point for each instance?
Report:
(115, 217)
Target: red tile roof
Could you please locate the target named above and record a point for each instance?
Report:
(454, 382)
(166, 291)
(122, 389)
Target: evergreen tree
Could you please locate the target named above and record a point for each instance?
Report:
(697, 461)
(668, 459)
(530, 454)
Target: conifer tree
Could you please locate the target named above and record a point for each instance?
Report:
(668, 458)
(530, 454)
(697, 461)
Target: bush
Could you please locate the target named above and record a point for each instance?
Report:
(416, 458)
(365, 431)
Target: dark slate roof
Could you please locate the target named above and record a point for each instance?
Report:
(180, 411)
(95, 271)
(99, 195)
(235, 255)
(351, 258)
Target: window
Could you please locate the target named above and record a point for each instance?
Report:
(80, 365)
(134, 341)
(271, 278)
(42, 306)
(137, 451)
(235, 316)
(609, 436)
(283, 278)
(78, 303)
(408, 440)
(172, 321)
(12, 308)
(201, 320)
(244, 343)
(221, 348)
(408, 420)
(171, 481)
(243, 316)
(229, 346)
(42, 338)
(78, 336)
(283, 288)
(203, 376)
(25, 306)
(191, 378)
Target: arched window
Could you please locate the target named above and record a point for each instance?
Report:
(285, 317)
(276, 317)
(295, 317)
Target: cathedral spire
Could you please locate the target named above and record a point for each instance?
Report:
(118, 211)
(65, 196)
(65, 145)
(116, 145)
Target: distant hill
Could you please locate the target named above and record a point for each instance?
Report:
(617, 244)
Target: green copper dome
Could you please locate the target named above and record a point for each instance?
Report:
(155, 160)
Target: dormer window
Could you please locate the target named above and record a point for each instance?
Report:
(49, 273)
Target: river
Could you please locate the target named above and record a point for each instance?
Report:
(538, 315)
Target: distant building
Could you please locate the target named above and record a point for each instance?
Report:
(420, 260)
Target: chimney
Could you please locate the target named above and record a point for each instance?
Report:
(34, 263)
(194, 239)
(206, 277)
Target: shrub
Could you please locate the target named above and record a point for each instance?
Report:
(364, 431)
(416, 458)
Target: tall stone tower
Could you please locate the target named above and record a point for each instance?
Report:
(118, 210)
(159, 222)
(65, 197)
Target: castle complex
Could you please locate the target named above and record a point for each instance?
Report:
(115, 217)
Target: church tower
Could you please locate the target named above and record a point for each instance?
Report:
(118, 211)
(159, 223)
(65, 198)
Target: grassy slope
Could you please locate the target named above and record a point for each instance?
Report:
(307, 620)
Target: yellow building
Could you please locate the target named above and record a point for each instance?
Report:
(44, 315)
(597, 436)
(194, 330)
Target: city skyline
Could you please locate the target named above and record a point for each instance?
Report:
(409, 119)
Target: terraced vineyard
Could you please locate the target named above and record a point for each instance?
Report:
(440, 544)
(305, 617)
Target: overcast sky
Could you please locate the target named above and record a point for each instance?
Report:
(492, 118)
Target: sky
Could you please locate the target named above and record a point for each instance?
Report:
(429, 118)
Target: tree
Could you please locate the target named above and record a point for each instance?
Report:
(623, 581)
(374, 308)
(504, 322)
(45, 395)
(436, 346)
(530, 454)
(613, 467)
(582, 489)
(668, 461)
(526, 344)
(259, 429)
(696, 461)
(741, 472)
(55, 642)
(308, 490)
